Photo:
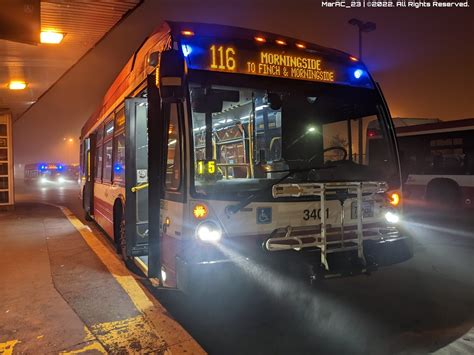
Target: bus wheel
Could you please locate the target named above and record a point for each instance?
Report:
(443, 193)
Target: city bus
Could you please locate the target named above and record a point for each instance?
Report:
(216, 144)
(438, 159)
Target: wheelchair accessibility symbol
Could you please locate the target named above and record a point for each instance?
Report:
(264, 215)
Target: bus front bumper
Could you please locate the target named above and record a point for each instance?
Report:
(215, 268)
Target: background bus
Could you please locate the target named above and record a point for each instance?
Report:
(439, 161)
(47, 173)
(217, 141)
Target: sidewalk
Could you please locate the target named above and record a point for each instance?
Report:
(63, 291)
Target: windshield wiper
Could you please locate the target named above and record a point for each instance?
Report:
(233, 209)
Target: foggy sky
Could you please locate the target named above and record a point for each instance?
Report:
(423, 58)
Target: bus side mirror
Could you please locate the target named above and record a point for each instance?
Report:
(153, 59)
(171, 74)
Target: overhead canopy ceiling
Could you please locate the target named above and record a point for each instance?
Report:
(84, 23)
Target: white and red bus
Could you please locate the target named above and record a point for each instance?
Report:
(439, 161)
(216, 142)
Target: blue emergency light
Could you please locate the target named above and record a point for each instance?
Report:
(358, 73)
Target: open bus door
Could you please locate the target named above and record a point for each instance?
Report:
(136, 177)
(89, 168)
(154, 187)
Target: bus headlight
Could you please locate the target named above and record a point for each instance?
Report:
(392, 217)
(209, 231)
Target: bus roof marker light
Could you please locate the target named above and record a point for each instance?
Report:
(186, 49)
(260, 39)
(354, 59)
(187, 33)
(358, 73)
(300, 45)
(280, 42)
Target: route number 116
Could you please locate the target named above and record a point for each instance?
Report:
(223, 58)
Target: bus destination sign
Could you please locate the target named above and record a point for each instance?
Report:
(268, 61)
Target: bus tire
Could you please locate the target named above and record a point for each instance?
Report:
(443, 193)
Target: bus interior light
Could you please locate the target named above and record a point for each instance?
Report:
(358, 73)
(186, 48)
(371, 133)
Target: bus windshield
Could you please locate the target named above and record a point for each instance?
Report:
(246, 135)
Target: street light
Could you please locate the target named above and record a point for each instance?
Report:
(363, 27)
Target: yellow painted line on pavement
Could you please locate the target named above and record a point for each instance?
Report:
(95, 346)
(166, 328)
(113, 264)
(6, 348)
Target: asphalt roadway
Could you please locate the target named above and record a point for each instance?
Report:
(415, 307)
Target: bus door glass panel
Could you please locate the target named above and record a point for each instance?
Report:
(119, 158)
(119, 148)
(107, 174)
(172, 206)
(98, 163)
(88, 176)
(136, 161)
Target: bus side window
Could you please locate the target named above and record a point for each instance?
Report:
(119, 158)
(107, 172)
(173, 161)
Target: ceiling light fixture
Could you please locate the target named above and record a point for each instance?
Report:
(17, 85)
(51, 37)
